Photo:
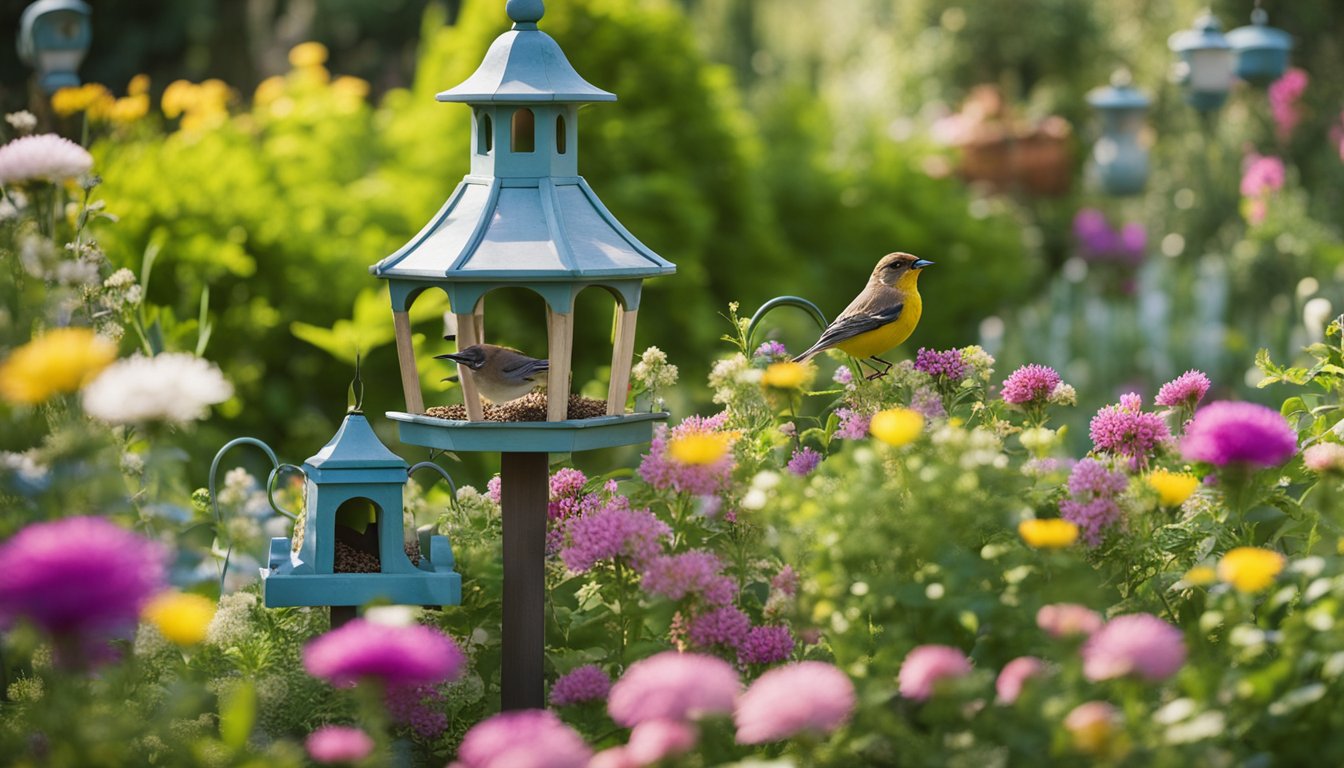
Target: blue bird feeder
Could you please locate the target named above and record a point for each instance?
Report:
(54, 36)
(1120, 158)
(1205, 65)
(1261, 50)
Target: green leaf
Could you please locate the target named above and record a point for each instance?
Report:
(237, 714)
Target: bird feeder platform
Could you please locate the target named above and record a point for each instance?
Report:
(567, 436)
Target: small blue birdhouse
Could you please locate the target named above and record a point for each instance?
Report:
(1205, 63)
(54, 35)
(352, 548)
(1120, 158)
(1261, 50)
(523, 217)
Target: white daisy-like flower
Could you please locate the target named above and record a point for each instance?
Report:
(45, 157)
(175, 387)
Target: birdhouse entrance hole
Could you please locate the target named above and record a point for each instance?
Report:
(356, 541)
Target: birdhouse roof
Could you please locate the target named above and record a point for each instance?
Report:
(354, 446)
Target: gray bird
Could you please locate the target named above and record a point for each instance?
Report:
(501, 373)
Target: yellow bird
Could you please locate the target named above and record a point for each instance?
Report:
(880, 317)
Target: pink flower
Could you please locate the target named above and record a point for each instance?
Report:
(1140, 644)
(1284, 95)
(528, 738)
(338, 744)
(654, 740)
(804, 461)
(585, 683)
(1029, 384)
(810, 696)
(765, 645)
(1229, 432)
(843, 376)
(614, 532)
(927, 402)
(492, 488)
(394, 656)
(1068, 620)
(1015, 674)
(853, 424)
(947, 365)
(926, 665)
(1324, 457)
(1184, 390)
(786, 581)
(726, 626)
(1091, 504)
(45, 157)
(662, 472)
(420, 707)
(1263, 174)
(692, 574)
(1126, 430)
(80, 576)
(674, 686)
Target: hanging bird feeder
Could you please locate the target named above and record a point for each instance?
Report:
(1261, 50)
(1205, 65)
(1120, 157)
(54, 36)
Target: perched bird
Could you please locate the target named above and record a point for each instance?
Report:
(880, 317)
(501, 373)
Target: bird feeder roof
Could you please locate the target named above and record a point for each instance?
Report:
(1207, 34)
(1118, 96)
(1258, 35)
(354, 447)
(525, 65)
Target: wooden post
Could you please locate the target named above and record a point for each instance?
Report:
(466, 336)
(410, 377)
(524, 493)
(622, 359)
(342, 615)
(560, 349)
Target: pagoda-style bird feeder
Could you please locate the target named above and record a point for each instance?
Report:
(523, 217)
(1261, 50)
(353, 549)
(1205, 63)
(1119, 155)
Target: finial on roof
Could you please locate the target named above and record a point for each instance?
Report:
(525, 11)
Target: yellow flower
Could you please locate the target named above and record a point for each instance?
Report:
(1049, 533)
(129, 109)
(62, 360)
(350, 87)
(182, 618)
(306, 55)
(1172, 487)
(786, 375)
(1201, 576)
(700, 448)
(897, 426)
(180, 96)
(139, 85)
(69, 101)
(269, 90)
(1250, 569)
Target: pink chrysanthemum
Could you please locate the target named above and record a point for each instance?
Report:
(1138, 644)
(332, 744)
(392, 655)
(1091, 504)
(585, 683)
(693, 574)
(634, 536)
(1014, 675)
(803, 461)
(1229, 432)
(725, 626)
(946, 365)
(1068, 620)
(1030, 384)
(655, 740)
(1126, 430)
(673, 686)
(492, 488)
(1185, 390)
(659, 469)
(528, 738)
(853, 424)
(786, 581)
(926, 665)
(766, 645)
(45, 157)
(810, 696)
(80, 576)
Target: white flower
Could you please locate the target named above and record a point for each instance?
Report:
(23, 121)
(46, 157)
(173, 387)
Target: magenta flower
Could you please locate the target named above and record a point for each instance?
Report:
(1091, 504)
(655, 740)
(1068, 620)
(1014, 675)
(527, 738)
(81, 576)
(1185, 390)
(585, 683)
(765, 645)
(420, 707)
(692, 574)
(663, 473)
(843, 376)
(810, 696)
(1029, 384)
(1284, 95)
(1098, 241)
(725, 626)
(1126, 430)
(946, 365)
(616, 532)
(927, 402)
(393, 656)
(673, 686)
(786, 581)
(493, 488)
(332, 744)
(853, 424)
(803, 461)
(1263, 175)
(1228, 432)
(925, 665)
(1138, 644)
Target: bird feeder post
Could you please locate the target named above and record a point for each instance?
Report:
(524, 493)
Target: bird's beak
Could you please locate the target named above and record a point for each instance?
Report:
(920, 264)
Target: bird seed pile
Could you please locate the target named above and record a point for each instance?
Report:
(351, 560)
(531, 407)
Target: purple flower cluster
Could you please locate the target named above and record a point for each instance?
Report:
(853, 424)
(946, 365)
(1184, 391)
(585, 683)
(722, 627)
(1098, 241)
(1284, 95)
(1030, 384)
(1091, 505)
(803, 461)
(420, 707)
(772, 350)
(81, 576)
(1138, 644)
(927, 402)
(765, 645)
(613, 532)
(843, 376)
(786, 581)
(663, 473)
(395, 656)
(693, 574)
(1125, 429)
(1229, 432)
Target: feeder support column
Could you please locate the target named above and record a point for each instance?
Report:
(524, 494)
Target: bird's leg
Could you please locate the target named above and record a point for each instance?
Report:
(877, 372)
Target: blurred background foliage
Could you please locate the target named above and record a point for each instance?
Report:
(765, 147)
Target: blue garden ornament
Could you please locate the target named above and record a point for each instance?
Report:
(1261, 50)
(54, 36)
(1205, 63)
(1121, 159)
